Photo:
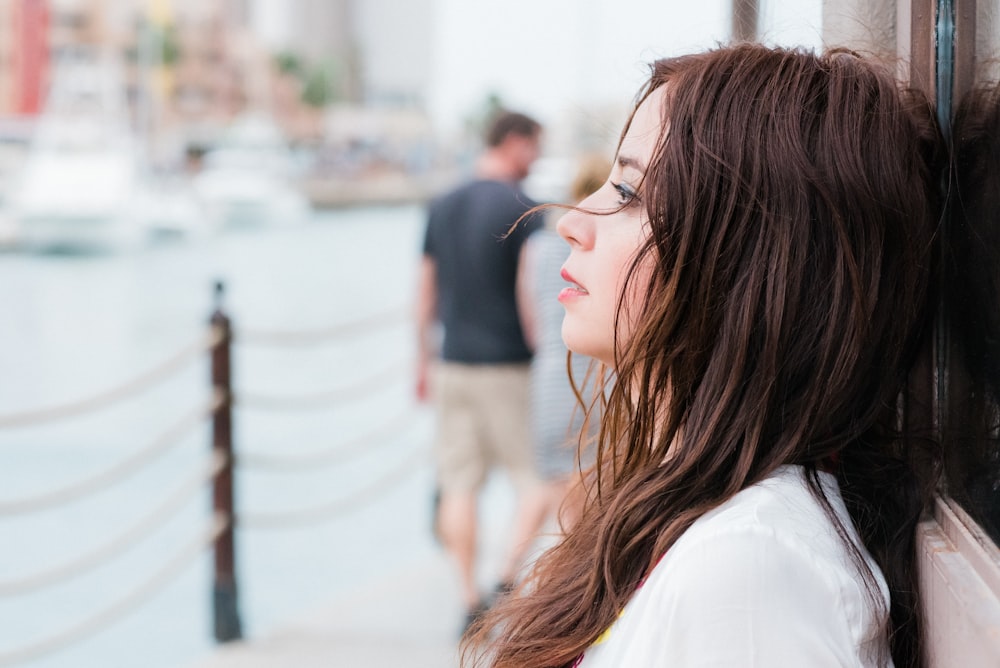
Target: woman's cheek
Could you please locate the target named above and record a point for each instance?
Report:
(633, 304)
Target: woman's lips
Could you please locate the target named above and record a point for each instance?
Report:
(572, 292)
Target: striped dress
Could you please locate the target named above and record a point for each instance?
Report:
(555, 417)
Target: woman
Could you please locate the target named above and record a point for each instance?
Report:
(756, 272)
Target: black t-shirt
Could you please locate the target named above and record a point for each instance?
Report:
(467, 237)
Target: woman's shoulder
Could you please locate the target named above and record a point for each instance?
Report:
(764, 578)
(782, 506)
(782, 521)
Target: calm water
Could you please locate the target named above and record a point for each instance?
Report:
(75, 325)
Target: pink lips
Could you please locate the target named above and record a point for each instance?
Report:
(572, 292)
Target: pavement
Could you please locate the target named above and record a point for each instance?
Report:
(410, 618)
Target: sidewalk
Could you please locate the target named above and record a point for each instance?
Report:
(411, 618)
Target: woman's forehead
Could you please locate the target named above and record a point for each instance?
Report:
(643, 133)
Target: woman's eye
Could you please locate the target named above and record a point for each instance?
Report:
(626, 194)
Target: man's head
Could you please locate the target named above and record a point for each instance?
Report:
(515, 139)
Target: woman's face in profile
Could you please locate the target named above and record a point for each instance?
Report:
(603, 240)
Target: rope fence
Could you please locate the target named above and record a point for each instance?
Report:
(316, 400)
(279, 338)
(216, 470)
(339, 454)
(123, 541)
(124, 391)
(337, 508)
(117, 473)
(133, 599)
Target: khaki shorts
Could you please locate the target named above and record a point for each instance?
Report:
(482, 423)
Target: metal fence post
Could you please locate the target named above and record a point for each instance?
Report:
(224, 602)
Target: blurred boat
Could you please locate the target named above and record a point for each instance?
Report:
(8, 233)
(77, 186)
(170, 210)
(248, 178)
(76, 194)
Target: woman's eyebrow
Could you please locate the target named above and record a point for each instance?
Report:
(627, 161)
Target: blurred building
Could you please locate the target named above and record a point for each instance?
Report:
(363, 69)
(395, 42)
(188, 67)
(346, 78)
(191, 64)
(317, 38)
(24, 55)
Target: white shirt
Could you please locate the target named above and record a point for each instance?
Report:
(763, 580)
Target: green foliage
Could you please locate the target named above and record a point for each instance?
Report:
(492, 106)
(162, 44)
(319, 86)
(477, 122)
(321, 82)
(289, 62)
(169, 43)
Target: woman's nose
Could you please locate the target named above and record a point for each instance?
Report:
(576, 227)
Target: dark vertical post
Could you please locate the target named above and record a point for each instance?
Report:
(923, 56)
(965, 49)
(744, 28)
(224, 604)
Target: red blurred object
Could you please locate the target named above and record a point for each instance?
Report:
(30, 54)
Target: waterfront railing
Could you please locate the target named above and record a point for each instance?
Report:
(216, 469)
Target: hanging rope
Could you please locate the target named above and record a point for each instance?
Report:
(118, 472)
(114, 395)
(341, 453)
(324, 335)
(319, 514)
(124, 541)
(316, 400)
(138, 595)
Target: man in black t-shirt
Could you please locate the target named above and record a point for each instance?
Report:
(480, 375)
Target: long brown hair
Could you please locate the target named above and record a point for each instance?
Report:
(792, 208)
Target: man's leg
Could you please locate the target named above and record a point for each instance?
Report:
(532, 510)
(510, 439)
(457, 522)
(461, 471)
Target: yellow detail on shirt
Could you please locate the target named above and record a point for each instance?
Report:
(606, 633)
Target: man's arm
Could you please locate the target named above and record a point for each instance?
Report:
(426, 315)
(524, 297)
